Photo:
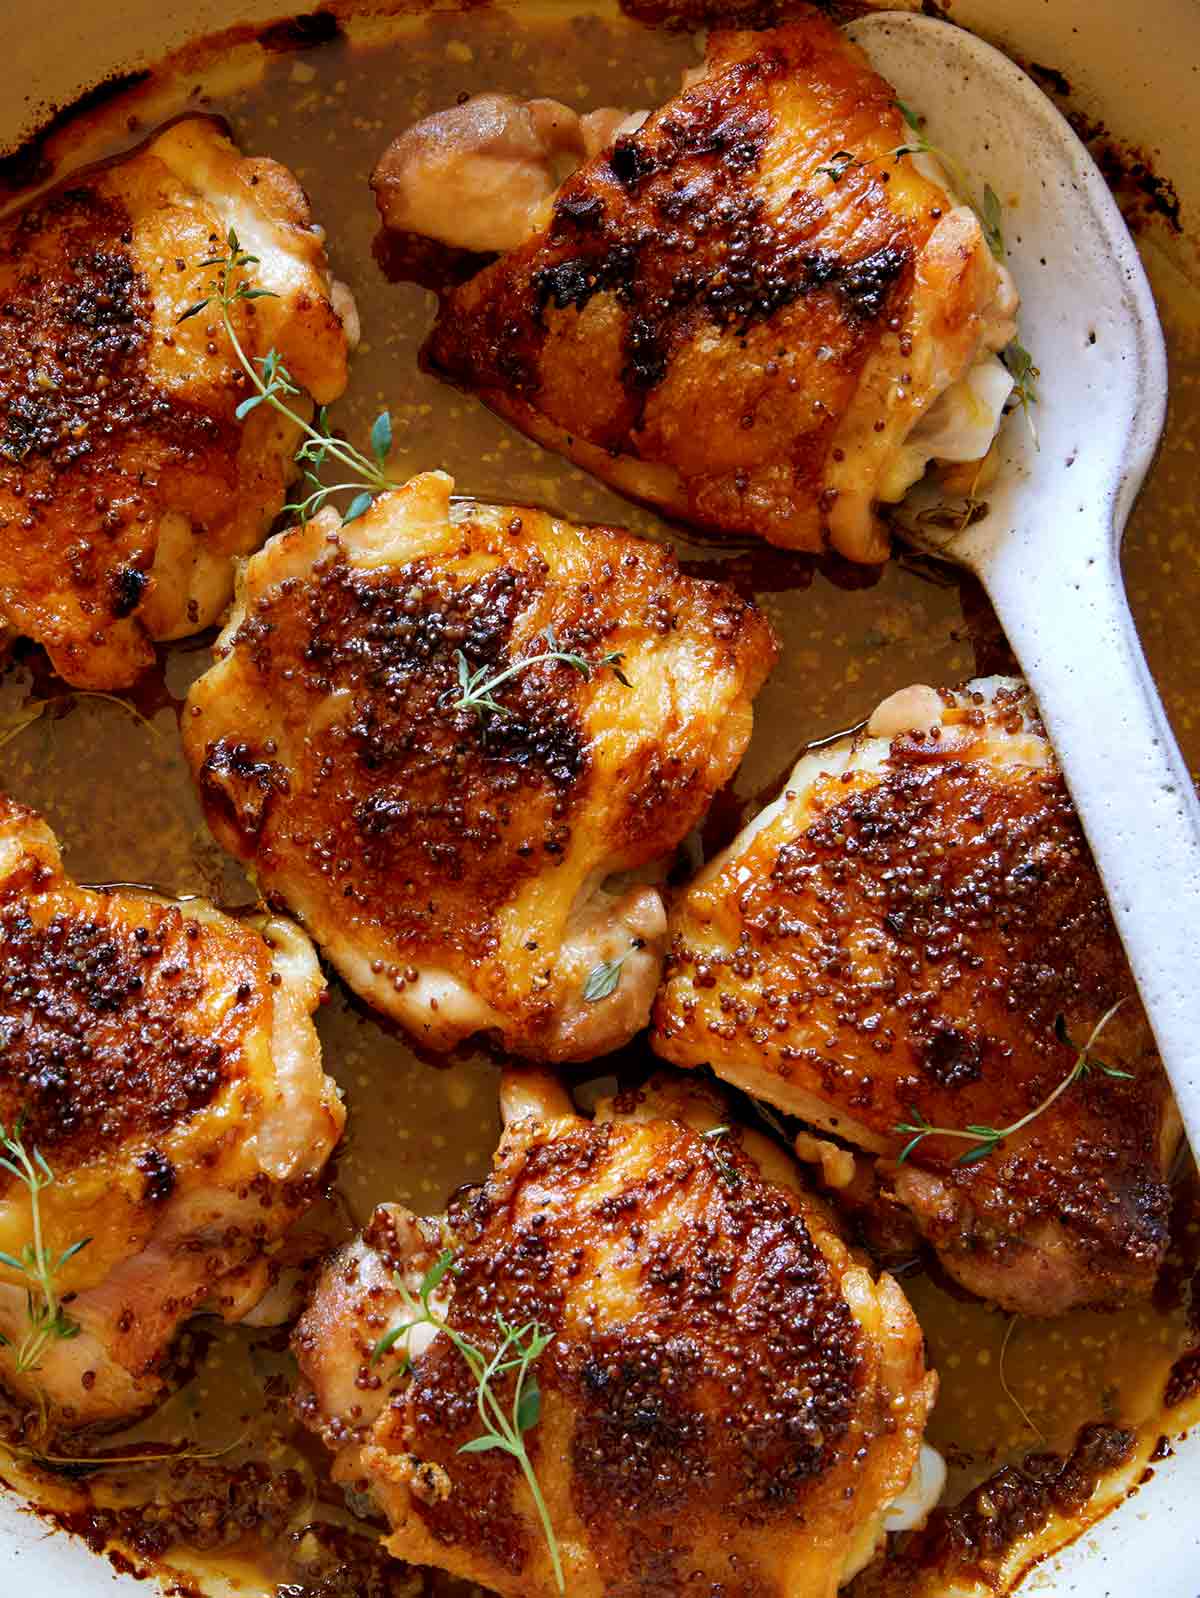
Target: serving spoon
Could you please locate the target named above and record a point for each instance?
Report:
(1048, 549)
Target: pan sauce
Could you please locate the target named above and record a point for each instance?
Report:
(115, 789)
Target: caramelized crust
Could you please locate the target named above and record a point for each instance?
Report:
(161, 1058)
(900, 933)
(712, 322)
(468, 873)
(729, 1401)
(126, 483)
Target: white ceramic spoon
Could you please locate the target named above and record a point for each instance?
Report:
(1048, 552)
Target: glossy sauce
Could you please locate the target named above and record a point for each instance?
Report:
(114, 787)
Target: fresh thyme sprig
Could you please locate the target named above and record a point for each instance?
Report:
(39, 1265)
(986, 1139)
(838, 165)
(86, 1464)
(604, 978)
(919, 144)
(504, 1425)
(477, 688)
(990, 213)
(11, 726)
(729, 1173)
(273, 385)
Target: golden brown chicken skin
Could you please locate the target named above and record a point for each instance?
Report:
(730, 1403)
(894, 941)
(162, 1060)
(127, 485)
(741, 312)
(472, 869)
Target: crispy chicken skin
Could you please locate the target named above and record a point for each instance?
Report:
(712, 314)
(897, 936)
(730, 1402)
(468, 872)
(167, 1068)
(127, 485)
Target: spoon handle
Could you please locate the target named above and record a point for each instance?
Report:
(1073, 633)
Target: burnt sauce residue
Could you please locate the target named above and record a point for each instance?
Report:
(1031, 1414)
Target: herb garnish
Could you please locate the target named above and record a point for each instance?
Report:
(989, 213)
(993, 228)
(919, 145)
(839, 164)
(1007, 1390)
(955, 518)
(986, 1139)
(910, 116)
(519, 1350)
(48, 1320)
(1016, 357)
(1025, 377)
(729, 1173)
(477, 688)
(15, 723)
(603, 978)
(274, 384)
(85, 1464)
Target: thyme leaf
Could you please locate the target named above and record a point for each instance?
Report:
(48, 1321)
(923, 148)
(505, 1423)
(604, 978)
(909, 115)
(986, 1139)
(381, 438)
(273, 385)
(993, 226)
(838, 165)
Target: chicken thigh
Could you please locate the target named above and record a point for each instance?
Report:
(461, 743)
(728, 1400)
(127, 484)
(160, 1058)
(748, 310)
(479, 176)
(915, 935)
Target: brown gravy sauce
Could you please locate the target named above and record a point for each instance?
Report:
(263, 1517)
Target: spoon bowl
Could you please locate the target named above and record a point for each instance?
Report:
(1048, 549)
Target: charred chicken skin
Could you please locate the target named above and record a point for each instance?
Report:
(127, 484)
(915, 934)
(746, 310)
(475, 865)
(161, 1059)
(730, 1402)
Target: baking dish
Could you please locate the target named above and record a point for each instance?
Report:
(1138, 73)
